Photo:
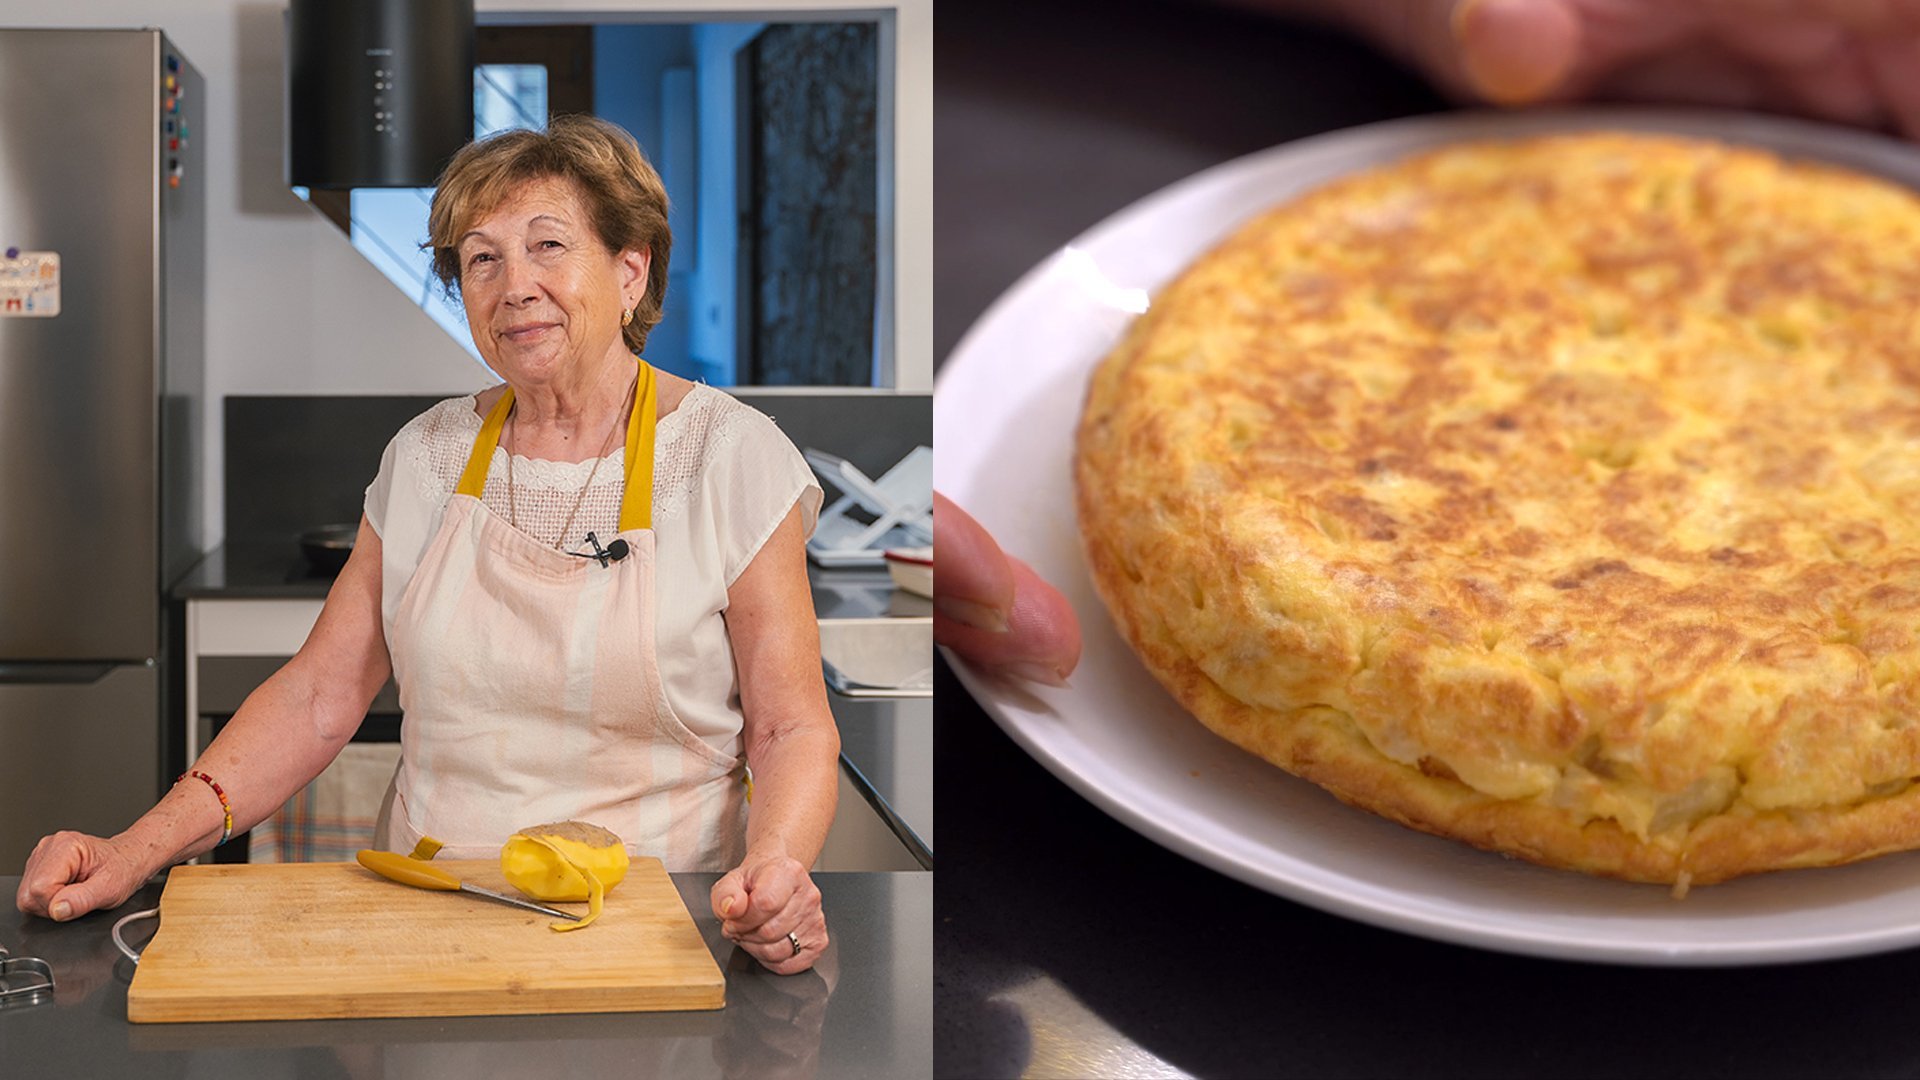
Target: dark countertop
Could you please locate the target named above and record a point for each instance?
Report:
(1070, 945)
(864, 1011)
(253, 569)
(273, 568)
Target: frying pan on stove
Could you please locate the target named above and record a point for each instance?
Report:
(328, 546)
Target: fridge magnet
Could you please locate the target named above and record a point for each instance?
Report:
(29, 284)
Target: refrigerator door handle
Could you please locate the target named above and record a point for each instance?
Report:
(65, 671)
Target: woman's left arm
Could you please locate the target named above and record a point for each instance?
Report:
(793, 749)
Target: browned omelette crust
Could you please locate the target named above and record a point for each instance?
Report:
(1558, 496)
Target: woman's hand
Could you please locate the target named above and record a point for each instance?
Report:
(993, 609)
(70, 874)
(763, 900)
(1842, 60)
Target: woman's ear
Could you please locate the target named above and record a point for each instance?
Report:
(634, 266)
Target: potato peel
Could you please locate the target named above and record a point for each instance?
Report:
(596, 892)
(566, 861)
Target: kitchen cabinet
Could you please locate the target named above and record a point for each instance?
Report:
(259, 633)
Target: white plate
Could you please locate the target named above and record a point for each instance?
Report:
(1005, 407)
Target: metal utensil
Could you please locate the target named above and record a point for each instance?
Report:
(424, 875)
(24, 980)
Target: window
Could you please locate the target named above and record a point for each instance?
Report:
(389, 224)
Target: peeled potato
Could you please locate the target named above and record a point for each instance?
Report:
(567, 860)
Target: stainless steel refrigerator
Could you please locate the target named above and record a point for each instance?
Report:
(102, 254)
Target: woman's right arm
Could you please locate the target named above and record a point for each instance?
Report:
(286, 732)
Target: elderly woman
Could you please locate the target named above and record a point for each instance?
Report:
(589, 583)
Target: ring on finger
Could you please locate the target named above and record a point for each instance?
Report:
(794, 941)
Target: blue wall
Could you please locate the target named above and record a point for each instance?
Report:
(629, 64)
(715, 45)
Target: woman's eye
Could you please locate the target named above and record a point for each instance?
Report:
(549, 243)
(478, 257)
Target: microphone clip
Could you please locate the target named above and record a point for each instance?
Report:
(605, 556)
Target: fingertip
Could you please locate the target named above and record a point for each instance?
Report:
(1045, 674)
(1042, 641)
(1516, 51)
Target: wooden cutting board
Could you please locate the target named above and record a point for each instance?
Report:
(318, 940)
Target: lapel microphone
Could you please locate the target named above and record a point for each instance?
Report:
(612, 553)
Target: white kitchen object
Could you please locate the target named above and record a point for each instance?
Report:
(900, 504)
(912, 569)
(885, 657)
(1007, 404)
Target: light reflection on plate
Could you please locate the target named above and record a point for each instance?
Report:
(1005, 406)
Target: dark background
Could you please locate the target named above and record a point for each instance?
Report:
(1049, 118)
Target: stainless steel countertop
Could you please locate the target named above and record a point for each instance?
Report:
(865, 1011)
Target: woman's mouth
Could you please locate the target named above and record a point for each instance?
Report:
(522, 335)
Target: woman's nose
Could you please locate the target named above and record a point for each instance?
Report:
(519, 279)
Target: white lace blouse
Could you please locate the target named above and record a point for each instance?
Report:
(723, 477)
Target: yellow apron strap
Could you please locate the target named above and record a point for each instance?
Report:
(636, 505)
(474, 480)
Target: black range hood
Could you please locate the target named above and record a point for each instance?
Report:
(379, 92)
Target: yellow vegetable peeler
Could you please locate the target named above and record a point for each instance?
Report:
(424, 875)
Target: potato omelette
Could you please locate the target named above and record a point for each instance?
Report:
(1561, 496)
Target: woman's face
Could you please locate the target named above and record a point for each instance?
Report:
(541, 290)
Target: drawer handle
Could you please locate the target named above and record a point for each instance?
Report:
(64, 671)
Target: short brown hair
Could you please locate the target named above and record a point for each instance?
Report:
(626, 202)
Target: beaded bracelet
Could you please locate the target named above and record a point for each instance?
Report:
(226, 833)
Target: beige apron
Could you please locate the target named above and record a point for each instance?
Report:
(530, 691)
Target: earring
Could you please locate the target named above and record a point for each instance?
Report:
(626, 317)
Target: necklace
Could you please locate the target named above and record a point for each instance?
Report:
(606, 447)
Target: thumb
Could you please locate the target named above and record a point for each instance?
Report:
(993, 609)
(972, 583)
(1516, 51)
(729, 894)
(75, 900)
